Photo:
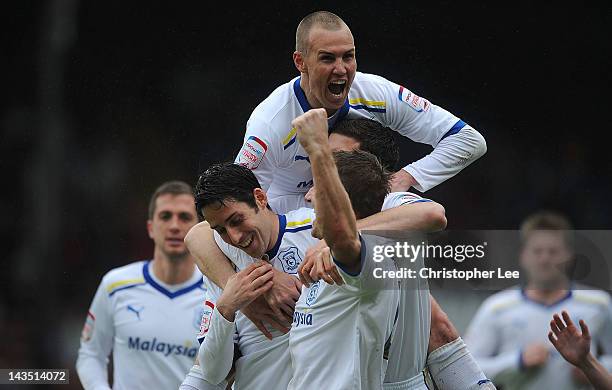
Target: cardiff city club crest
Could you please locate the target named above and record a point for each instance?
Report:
(313, 293)
(290, 259)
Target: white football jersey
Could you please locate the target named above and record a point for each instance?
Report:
(340, 334)
(410, 339)
(508, 321)
(270, 147)
(264, 363)
(149, 327)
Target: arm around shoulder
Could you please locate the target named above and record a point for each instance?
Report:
(211, 261)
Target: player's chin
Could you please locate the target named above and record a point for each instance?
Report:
(255, 249)
(176, 250)
(334, 102)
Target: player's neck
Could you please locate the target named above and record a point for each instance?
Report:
(275, 227)
(172, 271)
(547, 295)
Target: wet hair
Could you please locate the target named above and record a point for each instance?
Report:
(324, 19)
(170, 187)
(225, 182)
(373, 138)
(365, 180)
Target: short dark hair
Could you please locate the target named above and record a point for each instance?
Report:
(372, 137)
(547, 220)
(174, 187)
(365, 180)
(325, 19)
(223, 182)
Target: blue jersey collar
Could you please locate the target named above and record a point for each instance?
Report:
(161, 289)
(562, 299)
(282, 224)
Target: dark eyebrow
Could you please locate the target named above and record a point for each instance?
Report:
(226, 219)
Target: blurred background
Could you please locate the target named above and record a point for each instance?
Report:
(104, 101)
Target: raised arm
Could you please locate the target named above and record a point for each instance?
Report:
(575, 347)
(335, 215)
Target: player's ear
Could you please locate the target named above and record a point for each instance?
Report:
(298, 60)
(150, 228)
(261, 199)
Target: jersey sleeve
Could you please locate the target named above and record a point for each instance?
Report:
(366, 279)
(96, 342)
(482, 340)
(260, 151)
(194, 381)
(216, 353)
(396, 199)
(456, 144)
(212, 295)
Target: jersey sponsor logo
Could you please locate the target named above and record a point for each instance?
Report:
(302, 319)
(415, 102)
(313, 293)
(207, 312)
(136, 310)
(165, 349)
(88, 327)
(252, 153)
(305, 184)
(290, 259)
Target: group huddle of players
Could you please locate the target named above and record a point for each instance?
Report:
(319, 143)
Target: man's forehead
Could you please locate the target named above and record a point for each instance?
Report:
(539, 238)
(218, 212)
(322, 39)
(341, 142)
(173, 201)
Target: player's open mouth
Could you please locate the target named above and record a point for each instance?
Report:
(336, 88)
(246, 243)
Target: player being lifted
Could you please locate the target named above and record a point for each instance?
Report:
(325, 56)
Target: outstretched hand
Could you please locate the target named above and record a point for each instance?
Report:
(571, 344)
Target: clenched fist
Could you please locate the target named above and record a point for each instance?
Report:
(312, 129)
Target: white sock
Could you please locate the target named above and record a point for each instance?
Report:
(452, 367)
